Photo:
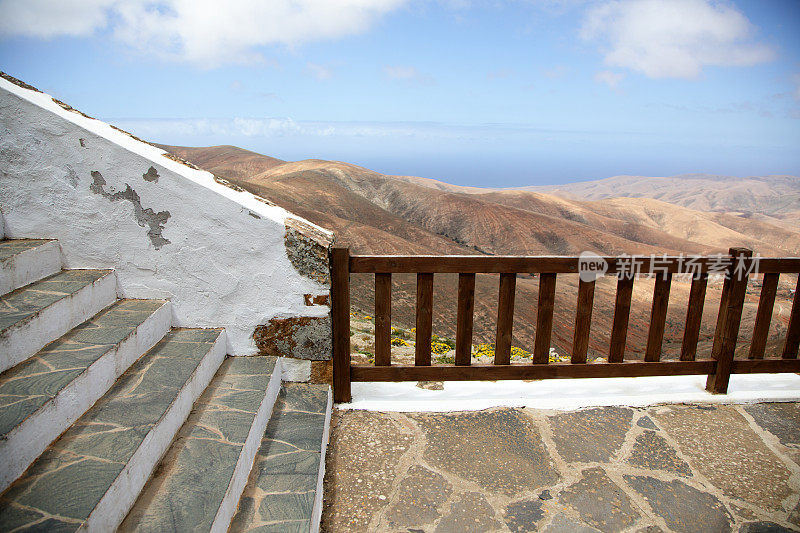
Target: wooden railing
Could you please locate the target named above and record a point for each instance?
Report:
(736, 267)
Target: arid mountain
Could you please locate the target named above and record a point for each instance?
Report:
(775, 196)
(230, 161)
(376, 213)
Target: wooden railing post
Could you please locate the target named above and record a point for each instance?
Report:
(422, 347)
(658, 317)
(622, 313)
(464, 318)
(694, 316)
(733, 293)
(583, 322)
(383, 319)
(792, 345)
(769, 289)
(544, 318)
(340, 320)
(505, 319)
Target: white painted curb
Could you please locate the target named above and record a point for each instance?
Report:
(21, 341)
(316, 511)
(247, 455)
(26, 442)
(29, 266)
(120, 497)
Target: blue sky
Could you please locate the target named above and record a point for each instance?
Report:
(471, 92)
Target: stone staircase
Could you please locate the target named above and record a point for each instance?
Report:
(112, 419)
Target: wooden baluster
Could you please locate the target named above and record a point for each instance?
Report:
(769, 288)
(723, 309)
(658, 316)
(505, 319)
(622, 312)
(383, 319)
(792, 345)
(726, 336)
(583, 321)
(466, 309)
(544, 318)
(422, 351)
(340, 321)
(694, 316)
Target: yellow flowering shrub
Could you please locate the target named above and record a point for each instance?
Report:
(556, 358)
(516, 351)
(484, 350)
(439, 348)
(399, 342)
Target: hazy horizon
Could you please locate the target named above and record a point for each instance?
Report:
(465, 91)
(461, 173)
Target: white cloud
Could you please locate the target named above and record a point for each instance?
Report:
(205, 32)
(320, 72)
(264, 127)
(51, 18)
(609, 77)
(673, 38)
(407, 74)
(161, 129)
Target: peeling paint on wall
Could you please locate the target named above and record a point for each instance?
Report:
(146, 217)
(308, 250)
(151, 175)
(223, 266)
(317, 299)
(72, 177)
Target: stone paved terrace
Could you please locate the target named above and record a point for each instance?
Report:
(661, 468)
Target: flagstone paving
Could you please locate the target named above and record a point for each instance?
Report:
(22, 304)
(682, 468)
(90, 455)
(280, 493)
(28, 386)
(12, 247)
(189, 485)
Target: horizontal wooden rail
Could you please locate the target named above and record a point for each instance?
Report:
(626, 369)
(736, 267)
(495, 264)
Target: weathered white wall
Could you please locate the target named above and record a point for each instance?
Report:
(218, 256)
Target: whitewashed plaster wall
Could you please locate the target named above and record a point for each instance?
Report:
(169, 230)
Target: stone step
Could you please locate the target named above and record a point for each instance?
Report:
(90, 477)
(284, 492)
(45, 394)
(23, 261)
(198, 483)
(39, 313)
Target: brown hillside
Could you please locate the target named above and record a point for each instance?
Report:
(775, 196)
(229, 161)
(375, 213)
